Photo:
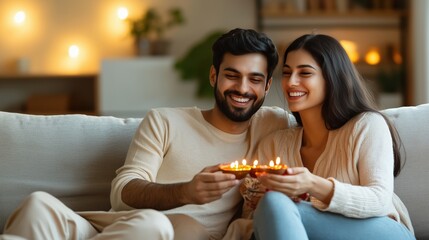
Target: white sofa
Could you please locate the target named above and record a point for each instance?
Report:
(74, 157)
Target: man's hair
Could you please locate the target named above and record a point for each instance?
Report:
(244, 41)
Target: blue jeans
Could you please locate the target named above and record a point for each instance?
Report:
(278, 217)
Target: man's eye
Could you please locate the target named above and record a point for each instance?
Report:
(256, 80)
(230, 76)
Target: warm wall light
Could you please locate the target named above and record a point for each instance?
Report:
(351, 50)
(397, 57)
(372, 57)
(19, 17)
(122, 13)
(73, 51)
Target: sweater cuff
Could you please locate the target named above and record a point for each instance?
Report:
(336, 198)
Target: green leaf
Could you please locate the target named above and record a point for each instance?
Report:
(195, 65)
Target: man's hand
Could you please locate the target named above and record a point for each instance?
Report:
(208, 185)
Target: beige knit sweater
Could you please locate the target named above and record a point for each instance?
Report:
(173, 144)
(358, 158)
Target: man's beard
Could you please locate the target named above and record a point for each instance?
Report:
(233, 113)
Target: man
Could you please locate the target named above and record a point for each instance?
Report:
(161, 192)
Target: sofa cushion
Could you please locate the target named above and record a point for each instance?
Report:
(412, 185)
(73, 157)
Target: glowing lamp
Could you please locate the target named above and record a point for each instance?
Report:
(272, 167)
(372, 57)
(73, 51)
(122, 13)
(19, 17)
(239, 170)
(397, 57)
(351, 50)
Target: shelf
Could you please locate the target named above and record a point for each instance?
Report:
(372, 19)
(49, 94)
(32, 77)
(376, 23)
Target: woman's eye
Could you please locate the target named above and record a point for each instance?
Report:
(286, 74)
(305, 74)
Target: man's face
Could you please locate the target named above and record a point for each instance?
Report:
(241, 85)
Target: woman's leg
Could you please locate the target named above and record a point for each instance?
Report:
(327, 225)
(278, 217)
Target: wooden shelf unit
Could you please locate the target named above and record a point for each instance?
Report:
(49, 93)
(280, 21)
(359, 19)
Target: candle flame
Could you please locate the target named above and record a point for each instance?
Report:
(232, 165)
(255, 163)
(271, 163)
(277, 160)
(244, 162)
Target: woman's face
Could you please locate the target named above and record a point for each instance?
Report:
(302, 81)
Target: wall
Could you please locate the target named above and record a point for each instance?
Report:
(419, 39)
(53, 25)
(151, 83)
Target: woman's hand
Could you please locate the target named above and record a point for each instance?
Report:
(297, 183)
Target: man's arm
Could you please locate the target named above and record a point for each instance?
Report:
(207, 186)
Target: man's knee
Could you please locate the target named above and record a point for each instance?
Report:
(186, 227)
(34, 204)
(155, 217)
(33, 212)
(152, 223)
(38, 199)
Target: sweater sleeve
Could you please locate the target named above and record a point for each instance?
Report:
(144, 157)
(372, 154)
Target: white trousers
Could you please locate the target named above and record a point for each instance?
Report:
(42, 216)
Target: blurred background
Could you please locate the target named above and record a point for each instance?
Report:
(124, 57)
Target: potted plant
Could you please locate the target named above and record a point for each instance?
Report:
(148, 31)
(390, 84)
(195, 65)
(389, 80)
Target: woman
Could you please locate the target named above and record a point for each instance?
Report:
(344, 154)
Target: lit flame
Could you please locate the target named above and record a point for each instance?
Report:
(255, 163)
(277, 160)
(234, 164)
(244, 162)
(271, 163)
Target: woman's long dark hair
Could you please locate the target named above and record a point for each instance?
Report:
(346, 94)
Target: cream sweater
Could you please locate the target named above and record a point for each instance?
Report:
(358, 158)
(173, 144)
